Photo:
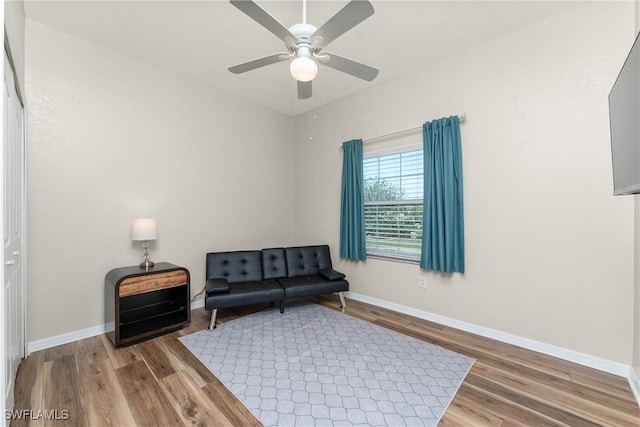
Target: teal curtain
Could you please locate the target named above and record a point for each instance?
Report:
(443, 222)
(352, 236)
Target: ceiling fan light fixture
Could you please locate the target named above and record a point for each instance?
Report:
(303, 69)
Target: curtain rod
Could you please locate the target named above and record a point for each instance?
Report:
(462, 117)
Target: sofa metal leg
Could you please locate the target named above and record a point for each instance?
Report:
(343, 304)
(281, 306)
(212, 323)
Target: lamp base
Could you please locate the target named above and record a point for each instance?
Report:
(146, 264)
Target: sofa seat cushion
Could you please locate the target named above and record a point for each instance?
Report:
(313, 285)
(245, 293)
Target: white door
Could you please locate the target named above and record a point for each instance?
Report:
(13, 217)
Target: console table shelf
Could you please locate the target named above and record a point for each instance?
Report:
(144, 303)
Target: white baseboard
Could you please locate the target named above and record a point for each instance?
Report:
(65, 338)
(615, 368)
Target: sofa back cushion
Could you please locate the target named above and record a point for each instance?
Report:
(274, 263)
(306, 260)
(238, 266)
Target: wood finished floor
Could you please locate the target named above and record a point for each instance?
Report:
(160, 383)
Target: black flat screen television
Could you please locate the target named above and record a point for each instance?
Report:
(624, 118)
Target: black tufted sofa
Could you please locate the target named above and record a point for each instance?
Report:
(269, 275)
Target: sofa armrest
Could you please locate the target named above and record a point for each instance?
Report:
(330, 274)
(217, 286)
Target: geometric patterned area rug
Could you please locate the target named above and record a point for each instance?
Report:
(312, 366)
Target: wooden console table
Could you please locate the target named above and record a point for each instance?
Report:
(144, 303)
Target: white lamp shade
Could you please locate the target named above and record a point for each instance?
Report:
(303, 69)
(144, 229)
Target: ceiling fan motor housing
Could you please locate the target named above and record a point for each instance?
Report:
(302, 31)
(304, 45)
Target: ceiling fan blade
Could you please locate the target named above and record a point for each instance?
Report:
(348, 66)
(304, 90)
(348, 17)
(258, 14)
(260, 62)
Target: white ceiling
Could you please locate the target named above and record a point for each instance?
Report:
(202, 38)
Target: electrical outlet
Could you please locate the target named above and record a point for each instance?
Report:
(422, 283)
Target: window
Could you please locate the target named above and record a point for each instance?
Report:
(393, 204)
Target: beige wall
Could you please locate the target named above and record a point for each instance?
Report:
(110, 139)
(549, 249)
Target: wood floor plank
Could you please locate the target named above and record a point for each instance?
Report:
(571, 392)
(156, 358)
(159, 382)
(604, 381)
(146, 398)
(63, 392)
(512, 413)
(90, 350)
(592, 404)
(451, 420)
(28, 389)
(122, 356)
(104, 400)
(59, 351)
(463, 411)
(539, 405)
(191, 402)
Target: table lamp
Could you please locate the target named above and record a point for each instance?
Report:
(144, 230)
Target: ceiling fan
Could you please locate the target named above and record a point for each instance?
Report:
(305, 43)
